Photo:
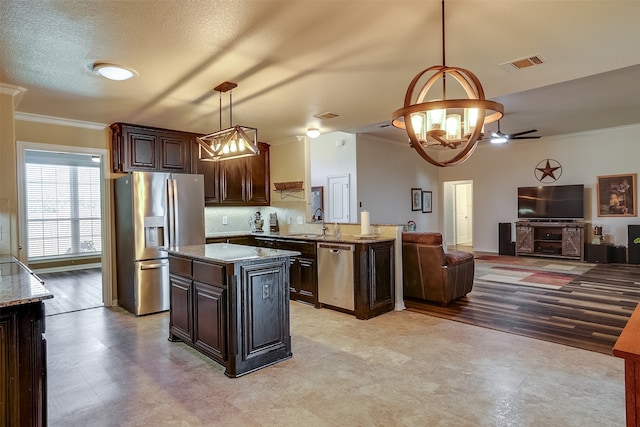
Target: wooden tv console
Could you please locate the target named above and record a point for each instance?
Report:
(561, 239)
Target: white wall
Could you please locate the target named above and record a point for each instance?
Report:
(386, 172)
(497, 172)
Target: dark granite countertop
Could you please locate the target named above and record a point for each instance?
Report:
(18, 285)
(227, 252)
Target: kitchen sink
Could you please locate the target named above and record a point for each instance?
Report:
(310, 235)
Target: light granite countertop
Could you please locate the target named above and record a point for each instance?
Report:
(18, 285)
(227, 252)
(312, 237)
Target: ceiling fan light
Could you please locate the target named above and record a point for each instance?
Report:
(313, 132)
(497, 139)
(113, 72)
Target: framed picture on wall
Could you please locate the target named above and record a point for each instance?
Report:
(617, 195)
(426, 202)
(416, 199)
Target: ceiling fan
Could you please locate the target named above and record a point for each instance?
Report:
(499, 137)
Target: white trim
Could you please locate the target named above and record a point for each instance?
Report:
(36, 270)
(59, 121)
(14, 91)
(21, 146)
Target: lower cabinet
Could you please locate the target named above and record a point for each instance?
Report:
(304, 270)
(374, 279)
(23, 366)
(236, 313)
(209, 315)
(550, 239)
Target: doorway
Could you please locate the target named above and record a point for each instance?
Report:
(458, 214)
(59, 238)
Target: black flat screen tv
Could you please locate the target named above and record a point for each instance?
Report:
(553, 202)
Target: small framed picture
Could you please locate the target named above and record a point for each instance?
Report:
(416, 199)
(426, 202)
(617, 195)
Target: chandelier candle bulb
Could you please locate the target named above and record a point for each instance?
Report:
(365, 224)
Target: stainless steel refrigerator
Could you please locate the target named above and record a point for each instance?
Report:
(153, 211)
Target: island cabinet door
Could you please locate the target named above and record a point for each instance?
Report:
(209, 329)
(180, 318)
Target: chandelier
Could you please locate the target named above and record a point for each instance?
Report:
(232, 143)
(445, 131)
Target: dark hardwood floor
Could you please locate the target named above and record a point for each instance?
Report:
(589, 312)
(73, 290)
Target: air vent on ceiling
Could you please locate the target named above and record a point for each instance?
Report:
(326, 116)
(521, 63)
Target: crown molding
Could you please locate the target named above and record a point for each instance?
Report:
(28, 117)
(14, 91)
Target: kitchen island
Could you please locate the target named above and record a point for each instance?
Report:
(231, 303)
(23, 356)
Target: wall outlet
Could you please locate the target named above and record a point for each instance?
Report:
(375, 230)
(300, 220)
(265, 291)
(288, 220)
(224, 220)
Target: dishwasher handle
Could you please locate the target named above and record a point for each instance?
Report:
(335, 248)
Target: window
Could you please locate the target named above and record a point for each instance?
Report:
(63, 205)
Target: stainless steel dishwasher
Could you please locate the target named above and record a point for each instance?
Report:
(335, 275)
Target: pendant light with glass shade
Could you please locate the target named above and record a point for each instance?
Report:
(443, 131)
(232, 143)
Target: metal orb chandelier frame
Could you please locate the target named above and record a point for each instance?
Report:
(456, 124)
(232, 143)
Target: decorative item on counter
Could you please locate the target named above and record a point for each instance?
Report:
(273, 222)
(256, 222)
(598, 237)
(411, 226)
(365, 224)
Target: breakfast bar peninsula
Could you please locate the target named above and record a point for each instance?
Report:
(231, 303)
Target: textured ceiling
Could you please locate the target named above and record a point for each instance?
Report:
(294, 59)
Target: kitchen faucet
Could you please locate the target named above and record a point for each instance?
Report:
(324, 227)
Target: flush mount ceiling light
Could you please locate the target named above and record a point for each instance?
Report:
(112, 71)
(232, 143)
(452, 124)
(313, 133)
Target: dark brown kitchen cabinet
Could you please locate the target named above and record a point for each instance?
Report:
(304, 274)
(209, 317)
(374, 279)
(23, 366)
(181, 314)
(236, 182)
(142, 148)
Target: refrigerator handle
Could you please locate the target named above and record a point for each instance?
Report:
(173, 211)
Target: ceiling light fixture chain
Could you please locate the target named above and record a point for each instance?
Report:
(455, 125)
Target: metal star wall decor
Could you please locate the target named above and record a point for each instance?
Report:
(548, 170)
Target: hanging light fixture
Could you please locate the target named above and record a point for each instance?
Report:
(448, 128)
(232, 143)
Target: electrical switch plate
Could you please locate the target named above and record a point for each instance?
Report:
(288, 220)
(224, 220)
(300, 220)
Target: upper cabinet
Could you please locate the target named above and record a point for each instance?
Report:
(141, 148)
(237, 182)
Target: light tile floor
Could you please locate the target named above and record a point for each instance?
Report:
(109, 368)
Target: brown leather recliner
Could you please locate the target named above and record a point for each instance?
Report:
(430, 274)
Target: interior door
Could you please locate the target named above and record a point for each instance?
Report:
(463, 211)
(338, 198)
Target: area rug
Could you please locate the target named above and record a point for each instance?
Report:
(540, 273)
(577, 304)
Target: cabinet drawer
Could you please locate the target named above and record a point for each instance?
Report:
(307, 249)
(210, 274)
(180, 266)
